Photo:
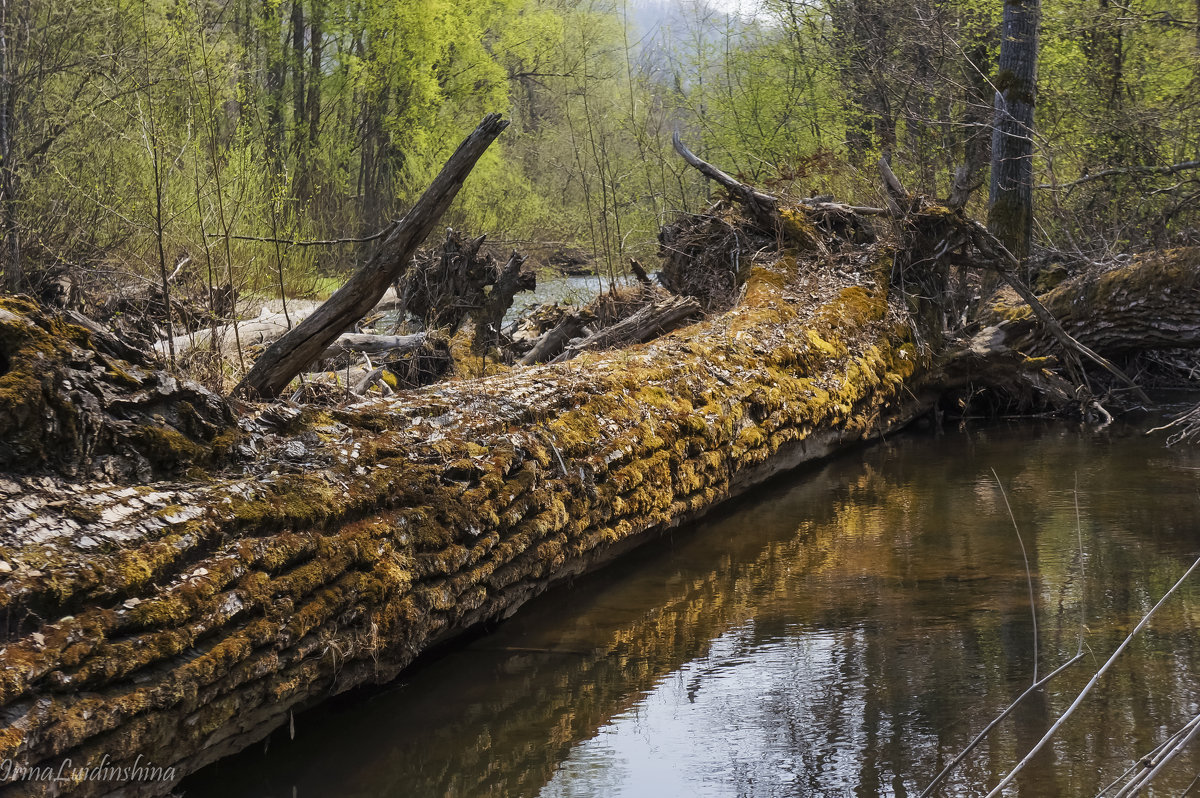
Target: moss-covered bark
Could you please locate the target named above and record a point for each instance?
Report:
(65, 405)
(184, 620)
(1151, 302)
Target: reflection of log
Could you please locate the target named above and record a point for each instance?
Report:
(292, 353)
(651, 321)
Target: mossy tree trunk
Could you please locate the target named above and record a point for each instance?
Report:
(184, 620)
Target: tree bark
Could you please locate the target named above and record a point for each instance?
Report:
(14, 277)
(302, 345)
(1010, 202)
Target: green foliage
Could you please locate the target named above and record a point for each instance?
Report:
(198, 125)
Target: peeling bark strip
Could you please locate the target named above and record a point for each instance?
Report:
(184, 621)
(296, 350)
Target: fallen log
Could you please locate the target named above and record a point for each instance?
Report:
(180, 620)
(362, 343)
(183, 621)
(1150, 302)
(555, 339)
(266, 328)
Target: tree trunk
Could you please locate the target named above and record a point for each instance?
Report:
(1010, 202)
(274, 73)
(291, 354)
(14, 277)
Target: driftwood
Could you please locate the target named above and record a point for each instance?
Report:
(607, 321)
(362, 343)
(296, 350)
(556, 339)
(639, 272)
(458, 281)
(654, 320)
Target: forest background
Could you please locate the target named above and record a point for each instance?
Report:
(194, 139)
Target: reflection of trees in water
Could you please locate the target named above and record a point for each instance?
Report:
(891, 596)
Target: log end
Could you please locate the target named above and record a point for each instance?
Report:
(67, 407)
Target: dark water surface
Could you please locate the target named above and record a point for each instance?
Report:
(843, 632)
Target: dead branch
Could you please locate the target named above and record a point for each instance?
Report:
(296, 242)
(650, 322)
(1171, 169)
(296, 350)
(762, 205)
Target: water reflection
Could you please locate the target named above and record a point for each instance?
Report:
(844, 634)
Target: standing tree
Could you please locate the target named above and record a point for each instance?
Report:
(1010, 204)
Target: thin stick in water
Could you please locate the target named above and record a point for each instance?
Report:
(1012, 774)
(1033, 688)
(1028, 574)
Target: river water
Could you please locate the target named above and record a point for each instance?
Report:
(844, 631)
